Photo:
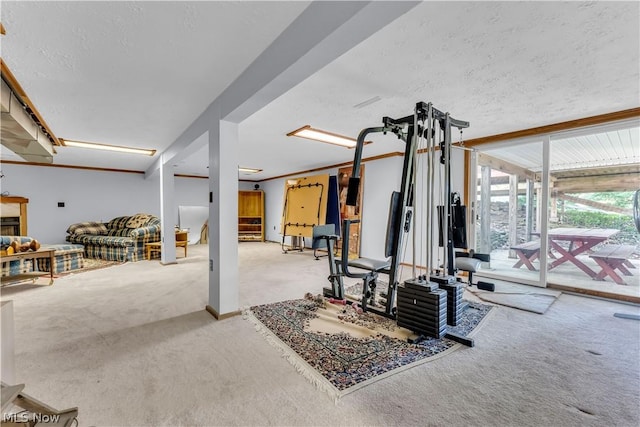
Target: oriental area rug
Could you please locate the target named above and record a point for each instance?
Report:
(341, 350)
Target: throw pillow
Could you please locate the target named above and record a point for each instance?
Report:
(138, 220)
(87, 228)
(118, 222)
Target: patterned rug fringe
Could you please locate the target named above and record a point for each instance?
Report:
(301, 366)
(490, 313)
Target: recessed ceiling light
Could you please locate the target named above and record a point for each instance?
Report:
(323, 136)
(248, 170)
(106, 147)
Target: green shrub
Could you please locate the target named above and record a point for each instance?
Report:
(588, 219)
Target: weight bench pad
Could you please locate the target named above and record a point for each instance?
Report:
(467, 264)
(370, 264)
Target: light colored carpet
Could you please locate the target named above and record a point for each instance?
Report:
(523, 297)
(131, 345)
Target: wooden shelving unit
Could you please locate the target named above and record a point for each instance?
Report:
(251, 215)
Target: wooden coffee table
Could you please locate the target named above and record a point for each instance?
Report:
(32, 255)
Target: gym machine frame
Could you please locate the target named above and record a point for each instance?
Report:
(400, 216)
(408, 130)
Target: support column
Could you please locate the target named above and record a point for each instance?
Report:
(538, 207)
(223, 219)
(472, 196)
(543, 211)
(553, 204)
(529, 208)
(167, 214)
(513, 213)
(485, 211)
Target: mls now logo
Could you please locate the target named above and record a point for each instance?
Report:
(27, 417)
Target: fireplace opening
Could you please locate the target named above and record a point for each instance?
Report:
(10, 226)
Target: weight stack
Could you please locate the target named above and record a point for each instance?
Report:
(422, 308)
(454, 302)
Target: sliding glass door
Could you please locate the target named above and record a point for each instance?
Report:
(592, 237)
(508, 210)
(548, 209)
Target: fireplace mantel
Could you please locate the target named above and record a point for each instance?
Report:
(15, 206)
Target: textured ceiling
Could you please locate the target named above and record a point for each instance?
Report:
(139, 74)
(502, 66)
(132, 73)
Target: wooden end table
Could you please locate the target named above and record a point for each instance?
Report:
(156, 247)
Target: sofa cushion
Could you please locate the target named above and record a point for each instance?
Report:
(64, 249)
(87, 228)
(138, 220)
(120, 232)
(118, 222)
(88, 239)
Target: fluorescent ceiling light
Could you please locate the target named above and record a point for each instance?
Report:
(105, 147)
(323, 136)
(248, 170)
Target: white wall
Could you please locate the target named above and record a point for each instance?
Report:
(381, 178)
(190, 192)
(247, 185)
(89, 196)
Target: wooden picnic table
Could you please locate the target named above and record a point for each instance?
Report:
(580, 241)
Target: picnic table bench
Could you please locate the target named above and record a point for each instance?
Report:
(527, 253)
(612, 257)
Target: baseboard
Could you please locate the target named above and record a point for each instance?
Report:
(218, 316)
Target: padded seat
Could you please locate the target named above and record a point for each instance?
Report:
(470, 265)
(470, 262)
(320, 234)
(370, 264)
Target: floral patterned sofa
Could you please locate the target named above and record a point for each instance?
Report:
(121, 239)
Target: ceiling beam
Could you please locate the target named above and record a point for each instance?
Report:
(597, 184)
(17, 89)
(504, 166)
(321, 33)
(556, 127)
(600, 171)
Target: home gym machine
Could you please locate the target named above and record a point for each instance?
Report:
(426, 302)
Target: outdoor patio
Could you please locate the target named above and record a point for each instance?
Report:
(566, 276)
